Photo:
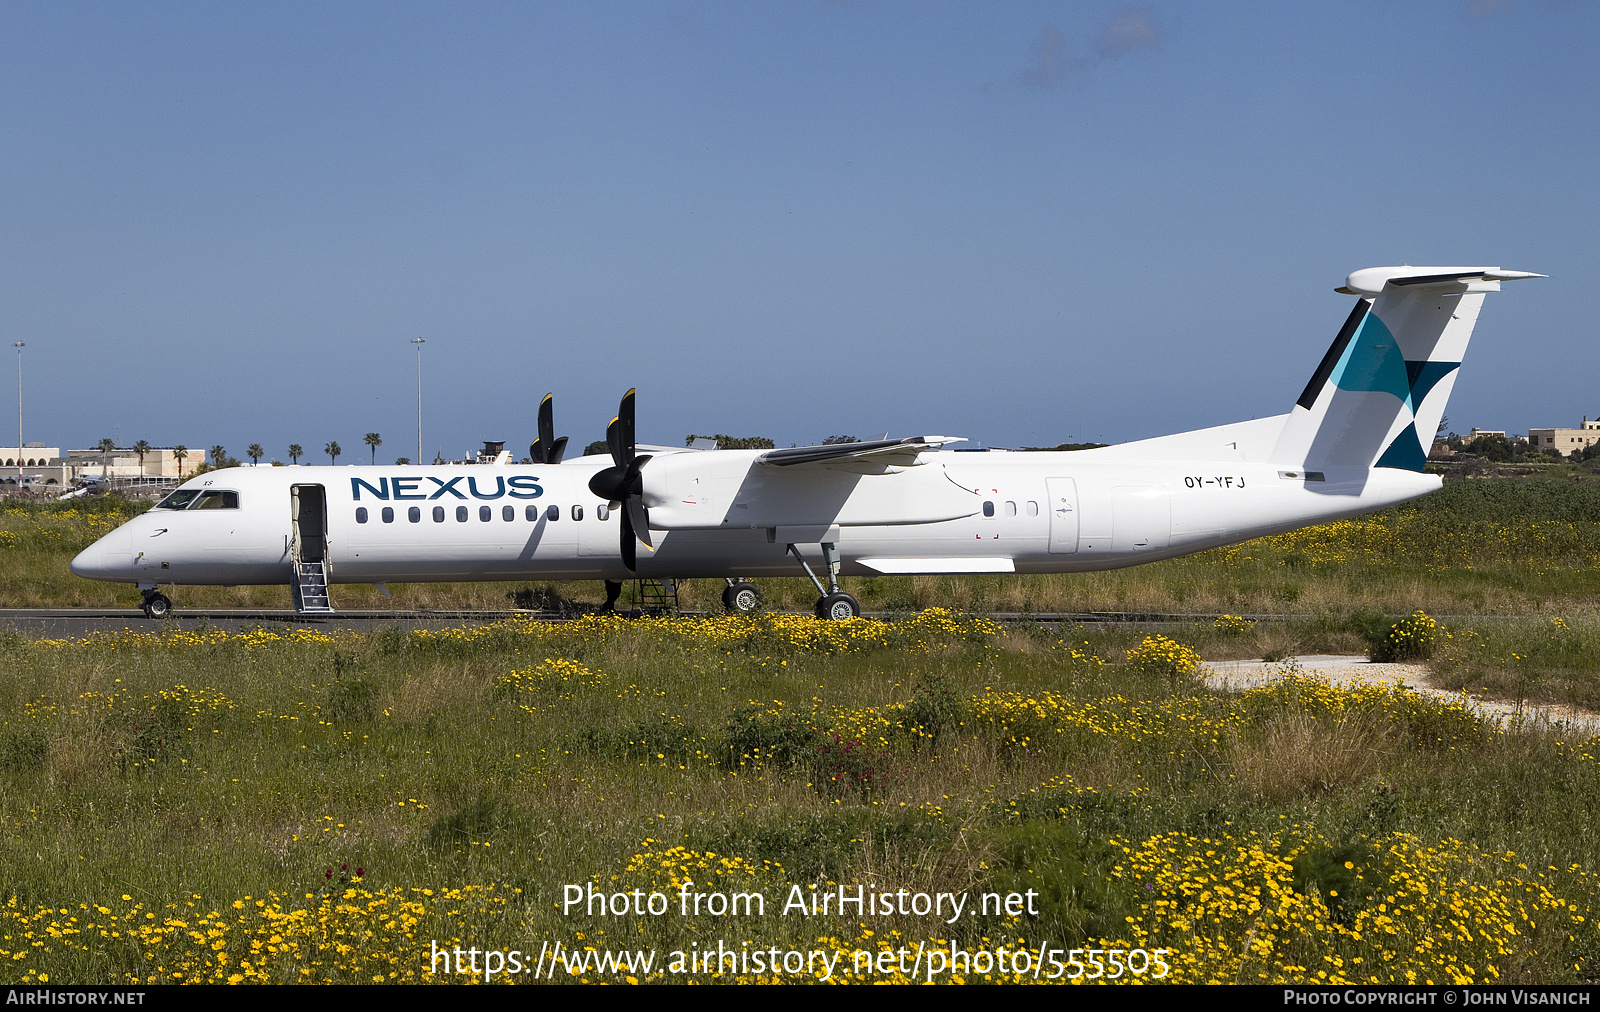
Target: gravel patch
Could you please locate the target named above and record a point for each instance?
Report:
(1237, 676)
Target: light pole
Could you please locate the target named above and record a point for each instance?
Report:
(19, 346)
(419, 342)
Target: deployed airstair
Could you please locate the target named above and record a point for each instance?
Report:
(309, 549)
(310, 588)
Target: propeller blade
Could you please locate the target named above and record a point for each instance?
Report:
(638, 519)
(614, 443)
(558, 449)
(625, 427)
(630, 548)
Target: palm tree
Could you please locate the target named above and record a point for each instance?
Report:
(106, 446)
(219, 456)
(141, 448)
(255, 453)
(179, 452)
(333, 451)
(374, 440)
(295, 453)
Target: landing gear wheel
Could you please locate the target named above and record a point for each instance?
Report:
(742, 598)
(156, 606)
(838, 607)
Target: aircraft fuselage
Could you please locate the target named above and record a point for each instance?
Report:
(956, 512)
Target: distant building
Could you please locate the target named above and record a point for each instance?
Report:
(37, 464)
(32, 455)
(1564, 441)
(159, 462)
(33, 464)
(1476, 432)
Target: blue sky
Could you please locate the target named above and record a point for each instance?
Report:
(1024, 222)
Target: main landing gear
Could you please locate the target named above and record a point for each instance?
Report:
(741, 597)
(155, 604)
(838, 607)
(832, 603)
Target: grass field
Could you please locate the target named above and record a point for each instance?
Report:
(286, 806)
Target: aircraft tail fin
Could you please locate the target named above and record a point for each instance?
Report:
(1377, 398)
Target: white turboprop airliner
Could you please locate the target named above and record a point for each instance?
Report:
(1355, 441)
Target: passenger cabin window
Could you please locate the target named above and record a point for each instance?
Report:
(1011, 509)
(508, 513)
(414, 514)
(988, 508)
(553, 513)
(1033, 509)
(485, 513)
(361, 514)
(388, 514)
(216, 499)
(532, 513)
(602, 512)
(461, 514)
(438, 514)
(577, 512)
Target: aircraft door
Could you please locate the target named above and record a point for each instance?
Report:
(1062, 497)
(309, 507)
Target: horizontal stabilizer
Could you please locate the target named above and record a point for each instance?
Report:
(1371, 280)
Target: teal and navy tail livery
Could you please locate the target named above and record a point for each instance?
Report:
(1355, 441)
(1379, 395)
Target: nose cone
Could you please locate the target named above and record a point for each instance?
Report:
(106, 559)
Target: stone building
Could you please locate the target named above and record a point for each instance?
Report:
(1564, 441)
(37, 464)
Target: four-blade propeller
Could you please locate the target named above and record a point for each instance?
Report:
(547, 449)
(622, 483)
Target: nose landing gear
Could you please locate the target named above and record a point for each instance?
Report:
(155, 604)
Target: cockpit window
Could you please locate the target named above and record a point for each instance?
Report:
(200, 499)
(217, 499)
(178, 499)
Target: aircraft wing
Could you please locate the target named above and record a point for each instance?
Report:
(885, 451)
